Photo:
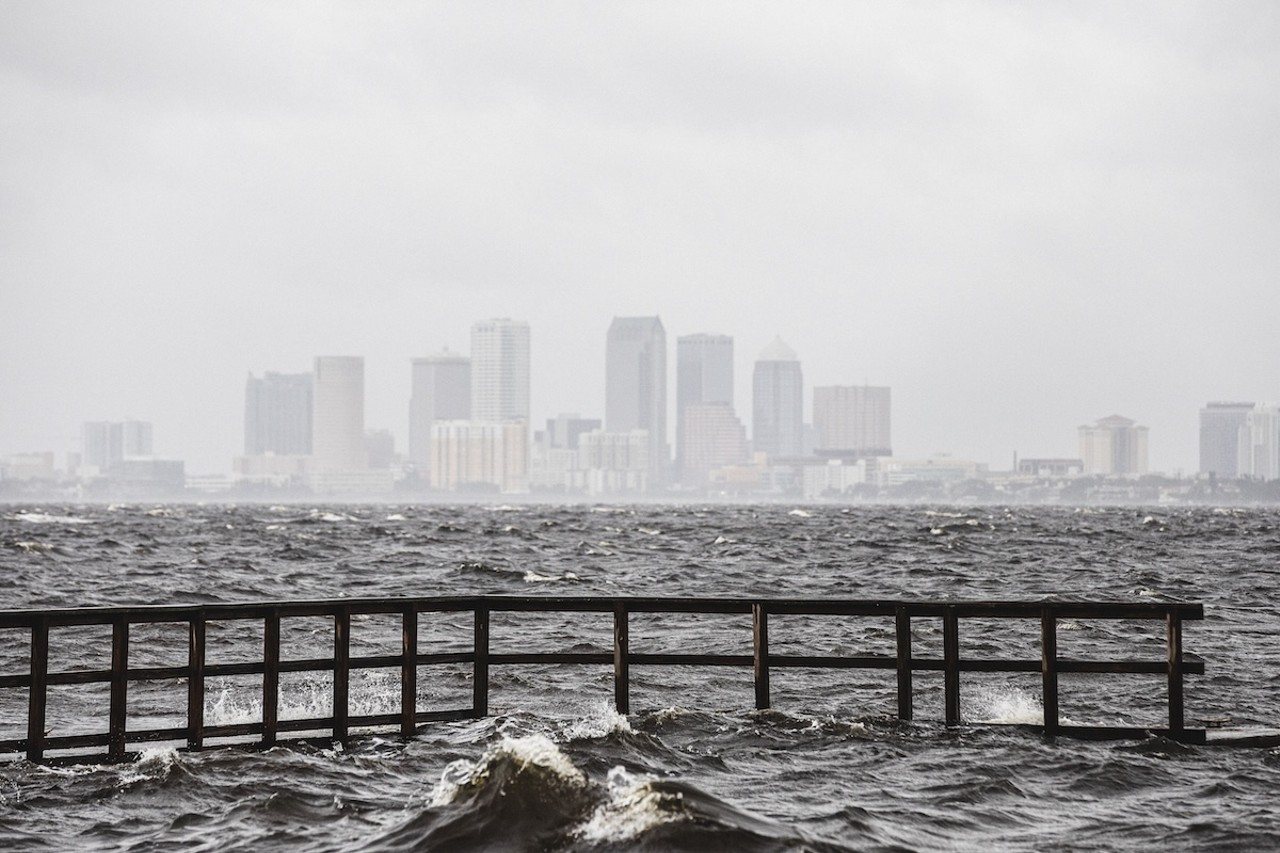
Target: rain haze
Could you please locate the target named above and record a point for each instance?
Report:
(1020, 217)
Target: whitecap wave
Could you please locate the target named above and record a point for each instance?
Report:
(633, 808)
(47, 518)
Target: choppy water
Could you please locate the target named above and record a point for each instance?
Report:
(692, 767)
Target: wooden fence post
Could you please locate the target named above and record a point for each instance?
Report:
(341, 673)
(480, 684)
(1049, 668)
(902, 625)
(621, 658)
(270, 676)
(760, 648)
(1174, 631)
(409, 672)
(38, 695)
(195, 682)
(119, 686)
(951, 663)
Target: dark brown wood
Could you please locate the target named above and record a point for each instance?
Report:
(480, 671)
(621, 658)
(341, 673)
(760, 653)
(1173, 624)
(118, 714)
(951, 659)
(902, 627)
(409, 672)
(270, 676)
(38, 694)
(195, 683)
(1175, 665)
(1049, 670)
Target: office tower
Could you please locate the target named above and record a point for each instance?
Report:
(441, 391)
(1114, 446)
(636, 386)
(777, 385)
(1260, 442)
(337, 439)
(277, 414)
(1221, 442)
(704, 374)
(852, 419)
(500, 371)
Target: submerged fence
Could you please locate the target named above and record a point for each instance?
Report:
(1042, 618)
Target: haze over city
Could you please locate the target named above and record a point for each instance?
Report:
(1020, 218)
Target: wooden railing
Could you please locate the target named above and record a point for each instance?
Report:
(197, 670)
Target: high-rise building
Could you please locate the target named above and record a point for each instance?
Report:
(1114, 446)
(636, 387)
(1260, 442)
(106, 444)
(500, 371)
(474, 456)
(337, 439)
(714, 438)
(277, 414)
(1221, 443)
(777, 386)
(441, 391)
(852, 419)
(704, 374)
(135, 439)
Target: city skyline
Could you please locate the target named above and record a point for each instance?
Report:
(1021, 219)
(352, 380)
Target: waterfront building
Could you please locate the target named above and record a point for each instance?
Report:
(1221, 441)
(852, 419)
(704, 374)
(470, 456)
(337, 441)
(777, 423)
(714, 438)
(440, 391)
(500, 371)
(106, 444)
(636, 387)
(277, 414)
(614, 463)
(1260, 442)
(1114, 446)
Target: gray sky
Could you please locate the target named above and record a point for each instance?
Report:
(1020, 216)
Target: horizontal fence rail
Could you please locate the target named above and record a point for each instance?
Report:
(197, 670)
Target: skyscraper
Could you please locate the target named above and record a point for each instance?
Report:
(1114, 445)
(500, 371)
(636, 386)
(1221, 442)
(441, 391)
(106, 444)
(277, 414)
(852, 419)
(1260, 442)
(337, 442)
(704, 374)
(777, 387)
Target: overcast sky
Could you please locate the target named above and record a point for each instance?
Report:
(1022, 217)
